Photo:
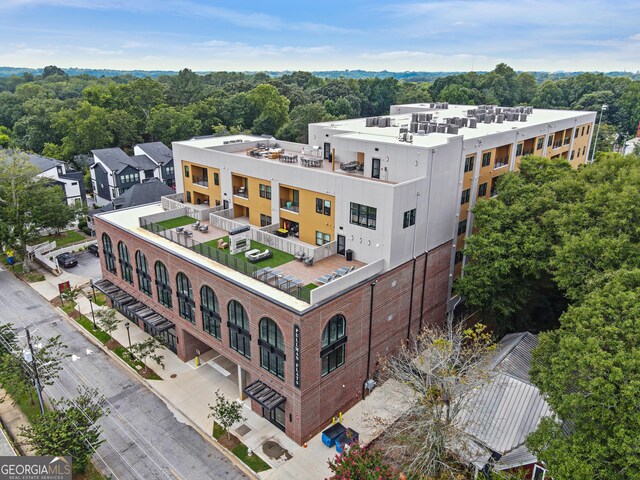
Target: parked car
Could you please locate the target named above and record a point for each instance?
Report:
(67, 260)
(93, 248)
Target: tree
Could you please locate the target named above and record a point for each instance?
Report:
(108, 320)
(360, 463)
(297, 129)
(169, 124)
(225, 412)
(146, 349)
(70, 429)
(50, 70)
(443, 368)
(589, 372)
(25, 202)
(270, 110)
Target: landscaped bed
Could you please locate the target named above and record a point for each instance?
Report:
(239, 449)
(177, 222)
(63, 239)
(278, 257)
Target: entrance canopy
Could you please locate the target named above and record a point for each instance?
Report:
(264, 395)
(132, 307)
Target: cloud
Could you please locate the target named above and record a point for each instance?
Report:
(223, 48)
(99, 51)
(134, 44)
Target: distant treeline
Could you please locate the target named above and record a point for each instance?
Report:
(63, 116)
(540, 76)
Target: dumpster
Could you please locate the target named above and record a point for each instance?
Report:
(348, 437)
(330, 434)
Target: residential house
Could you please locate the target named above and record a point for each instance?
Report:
(70, 180)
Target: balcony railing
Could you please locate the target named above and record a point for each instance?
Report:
(527, 152)
(241, 192)
(501, 162)
(202, 181)
(289, 205)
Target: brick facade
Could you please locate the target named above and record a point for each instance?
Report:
(308, 409)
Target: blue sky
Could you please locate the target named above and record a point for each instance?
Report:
(432, 35)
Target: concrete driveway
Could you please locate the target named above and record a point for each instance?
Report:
(88, 266)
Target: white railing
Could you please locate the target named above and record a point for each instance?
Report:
(223, 220)
(349, 280)
(280, 243)
(325, 251)
(172, 202)
(168, 215)
(199, 213)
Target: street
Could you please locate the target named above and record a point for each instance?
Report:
(144, 439)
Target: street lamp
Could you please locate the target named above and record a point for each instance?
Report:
(604, 108)
(126, 325)
(91, 305)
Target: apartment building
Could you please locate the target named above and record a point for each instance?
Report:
(358, 231)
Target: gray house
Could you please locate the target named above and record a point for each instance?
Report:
(70, 180)
(114, 172)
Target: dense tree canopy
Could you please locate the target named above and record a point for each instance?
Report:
(64, 116)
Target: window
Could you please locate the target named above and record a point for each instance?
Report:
(409, 218)
(109, 257)
(458, 257)
(186, 171)
(322, 238)
(486, 159)
(573, 154)
(588, 129)
(584, 149)
(210, 312)
(265, 191)
(575, 133)
(125, 263)
(189, 197)
(462, 227)
(265, 220)
(142, 269)
(582, 132)
(519, 150)
(240, 339)
(271, 343)
(363, 215)
(169, 171)
(216, 178)
(466, 194)
(468, 163)
(163, 285)
(334, 340)
(550, 141)
(482, 190)
(578, 155)
(375, 168)
(539, 473)
(186, 304)
(540, 142)
(323, 206)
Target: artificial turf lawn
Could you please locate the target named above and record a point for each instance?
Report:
(278, 257)
(65, 238)
(177, 222)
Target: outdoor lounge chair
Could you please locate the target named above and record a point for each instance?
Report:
(196, 225)
(222, 244)
(300, 256)
(204, 228)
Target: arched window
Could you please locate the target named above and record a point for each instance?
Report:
(210, 312)
(125, 262)
(334, 339)
(271, 343)
(109, 257)
(240, 338)
(186, 304)
(142, 269)
(163, 285)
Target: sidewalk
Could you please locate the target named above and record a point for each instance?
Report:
(187, 390)
(13, 419)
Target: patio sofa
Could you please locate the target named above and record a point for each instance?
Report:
(256, 257)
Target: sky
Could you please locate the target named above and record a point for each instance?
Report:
(242, 35)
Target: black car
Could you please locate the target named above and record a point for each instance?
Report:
(93, 248)
(66, 260)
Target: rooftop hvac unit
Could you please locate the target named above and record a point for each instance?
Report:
(473, 123)
(431, 105)
(500, 118)
(409, 138)
(422, 128)
(453, 129)
(498, 110)
(463, 122)
(480, 117)
(432, 128)
(442, 128)
(472, 112)
(523, 117)
(445, 105)
(369, 122)
(404, 128)
(414, 127)
(487, 119)
(414, 117)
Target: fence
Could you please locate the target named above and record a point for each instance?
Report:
(168, 215)
(223, 219)
(339, 284)
(172, 202)
(223, 258)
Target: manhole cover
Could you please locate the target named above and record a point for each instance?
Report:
(274, 450)
(174, 375)
(242, 430)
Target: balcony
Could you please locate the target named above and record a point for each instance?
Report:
(201, 181)
(241, 192)
(290, 206)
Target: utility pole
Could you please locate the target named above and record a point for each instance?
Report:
(595, 143)
(34, 365)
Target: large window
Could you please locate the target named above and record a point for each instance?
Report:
(186, 304)
(375, 168)
(519, 149)
(238, 324)
(468, 163)
(482, 189)
(486, 159)
(539, 144)
(323, 206)
(462, 226)
(163, 285)
(334, 339)
(265, 191)
(409, 218)
(142, 269)
(109, 257)
(265, 220)
(125, 263)
(464, 198)
(210, 312)
(363, 215)
(271, 343)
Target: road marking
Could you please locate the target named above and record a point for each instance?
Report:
(74, 358)
(89, 352)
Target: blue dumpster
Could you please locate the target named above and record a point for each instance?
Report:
(348, 437)
(330, 434)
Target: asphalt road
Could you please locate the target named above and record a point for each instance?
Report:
(144, 440)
